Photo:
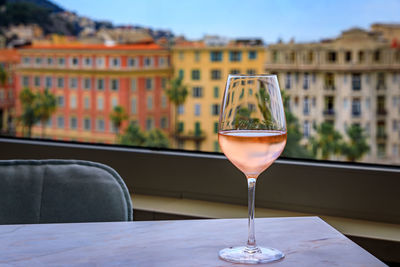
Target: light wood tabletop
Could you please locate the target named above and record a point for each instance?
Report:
(306, 241)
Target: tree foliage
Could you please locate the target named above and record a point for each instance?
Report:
(45, 106)
(118, 116)
(3, 75)
(156, 138)
(133, 136)
(327, 141)
(177, 93)
(357, 145)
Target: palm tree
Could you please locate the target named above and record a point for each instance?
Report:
(28, 116)
(177, 93)
(357, 146)
(45, 107)
(117, 116)
(327, 142)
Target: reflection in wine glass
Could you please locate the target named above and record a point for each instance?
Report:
(252, 135)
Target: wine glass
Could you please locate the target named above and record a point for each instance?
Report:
(252, 135)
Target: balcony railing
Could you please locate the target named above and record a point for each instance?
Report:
(329, 87)
(381, 135)
(381, 112)
(195, 136)
(356, 114)
(329, 112)
(381, 86)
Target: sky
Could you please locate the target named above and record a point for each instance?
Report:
(303, 20)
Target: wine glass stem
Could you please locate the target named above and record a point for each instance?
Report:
(251, 242)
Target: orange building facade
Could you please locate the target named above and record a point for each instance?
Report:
(90, 80)
(9, 58)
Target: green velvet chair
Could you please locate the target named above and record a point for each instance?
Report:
(61, 191)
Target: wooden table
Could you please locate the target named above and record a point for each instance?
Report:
(306, 241)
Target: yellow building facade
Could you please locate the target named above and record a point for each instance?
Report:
(204, 70)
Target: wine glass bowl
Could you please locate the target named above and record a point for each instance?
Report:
(252, 135)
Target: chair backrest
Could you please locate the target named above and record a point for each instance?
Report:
(61, 191)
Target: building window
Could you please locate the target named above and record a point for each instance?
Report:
(26, 60)
(25, 81)
(356, 107)
(114, 102)
(274, 56)
(49, 82)
(216, 56)
(132, 62)
(381, 81)
(215, 74)
(100, 62)
(329, 105)
(234, 71)
(251, 71)
(377, 56)
(73, 83)
(215, 127)
(347, 56)
(73, 123)
(197, 128)
(60, 101)
(87, 83)
(215, 109)
(61, 61)
(133, 106)
(329, 81)
(196, 56)
(197, 109)
(216, 146)
(181, 127)
(114, 84)
(60, 82)
(181, 109)
(148, 61)
(306, 81)
(100, 84)
(36, 81)
(164, 83)
(60, 122)
(133, 84)
(331, 56)
(87, 124)
(235, 56)
(72, 102)
(195, 75)
(216, 92)
(181, 74)
(361, 56)
(100, 125)
(38, 61)
(306, 129)
(86, 102)
(87, 62)
(149, 83)
(164, 101)
(381, 150)
(74, 61)
(356, 81)
(149, 102)
(306, 106)
(115, 62)
(100, 103)
(164, 123)
(49, 61)
(252, 54)
(197, 92)
(288, 80)
(149, 124)
(181, 55)
(161, 61)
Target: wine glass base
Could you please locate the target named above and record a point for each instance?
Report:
(241, 255)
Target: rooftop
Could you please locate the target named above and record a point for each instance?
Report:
(140, 46)
(9, 55)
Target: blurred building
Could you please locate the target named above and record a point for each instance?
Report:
(204, 67)
(9, 58)
(352, 79)
(89, 80)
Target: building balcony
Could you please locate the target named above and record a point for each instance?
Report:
(329, 112)
(194, 136)
(381, 86)
(381, 112)
(329, 87)
(356, 114)
(381, 137)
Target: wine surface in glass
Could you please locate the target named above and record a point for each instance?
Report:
(252, 151)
